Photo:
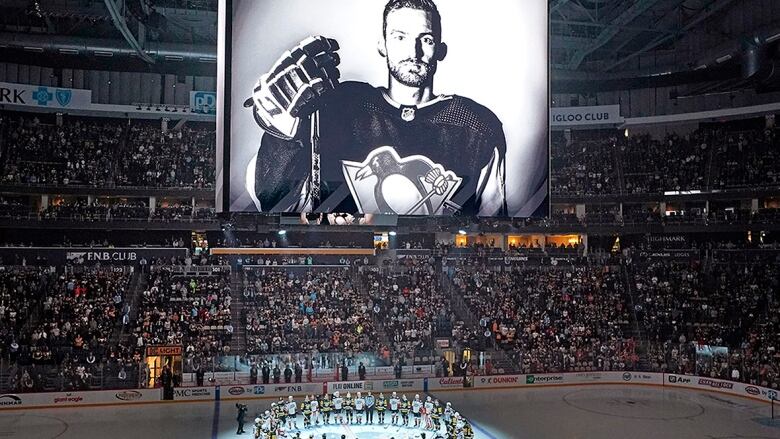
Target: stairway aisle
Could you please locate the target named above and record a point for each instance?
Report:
(361, 285)
(136, 286)
(638, 332)
(238, 342)
(498, 357)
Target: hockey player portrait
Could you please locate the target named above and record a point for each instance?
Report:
(326, 142)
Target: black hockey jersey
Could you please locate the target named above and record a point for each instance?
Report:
(376, 156)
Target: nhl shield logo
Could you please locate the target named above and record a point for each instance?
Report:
(385, 183)
(407, 113)
(63, 97)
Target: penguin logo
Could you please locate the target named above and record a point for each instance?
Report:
(385, 183)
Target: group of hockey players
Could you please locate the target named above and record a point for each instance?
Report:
(429, 414)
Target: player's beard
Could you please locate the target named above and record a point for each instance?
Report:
(410, 72)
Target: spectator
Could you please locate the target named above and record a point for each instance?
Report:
(288, 373)
(361, 371)
(344, 372)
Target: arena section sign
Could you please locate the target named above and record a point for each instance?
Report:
(583, 116)
(43, 96)
(324, 123)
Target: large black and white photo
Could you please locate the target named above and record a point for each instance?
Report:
(409, 107)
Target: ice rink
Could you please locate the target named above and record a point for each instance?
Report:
(563, 412)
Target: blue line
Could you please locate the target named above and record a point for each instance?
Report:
(473, 424)
(215, 419)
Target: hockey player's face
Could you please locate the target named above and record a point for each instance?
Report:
(410, 46)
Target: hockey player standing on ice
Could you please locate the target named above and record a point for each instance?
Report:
(281, 411)
(381, 406)
(448, 412)
(394, 406)
(417, 410)
(315, 410)
(292, 407)
(405, 406)
(436, 414)
(360, 405)
(327, 408)
(428, 412)
(337, 405)
(349, 406)
(306, 410)
(401, 149)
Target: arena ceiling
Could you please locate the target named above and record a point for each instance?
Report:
(606, 39)
(603, 35)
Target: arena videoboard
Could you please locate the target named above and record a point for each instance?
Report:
(406, 107)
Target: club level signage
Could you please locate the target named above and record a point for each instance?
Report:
(97, 255)
(592, 115)
(103, 256)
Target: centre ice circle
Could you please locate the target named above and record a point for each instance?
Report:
(365, 416)
(366, 432)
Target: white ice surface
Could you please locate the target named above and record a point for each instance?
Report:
(598, 412)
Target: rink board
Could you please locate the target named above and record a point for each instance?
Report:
(11, 401)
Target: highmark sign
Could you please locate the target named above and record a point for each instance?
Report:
(44, 96)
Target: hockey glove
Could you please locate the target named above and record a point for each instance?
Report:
(290, 90)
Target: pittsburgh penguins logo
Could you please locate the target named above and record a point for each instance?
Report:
(386, 183)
